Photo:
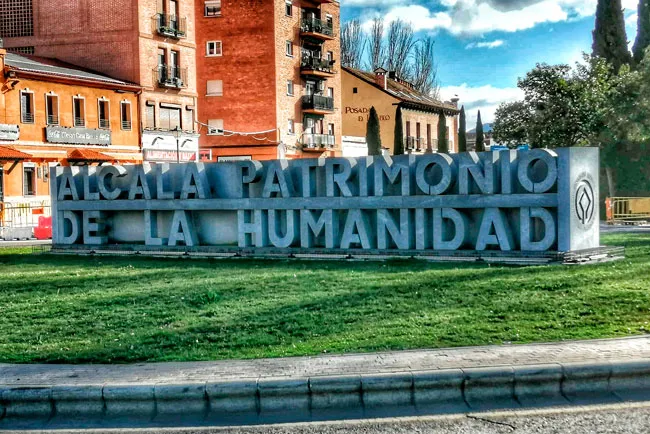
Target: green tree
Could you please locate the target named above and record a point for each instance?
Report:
(480, 139)
(511, 124)
(462, 131)
(642, 41)
(609, 37)
(373, 134)
(443, 143)
(399, 133)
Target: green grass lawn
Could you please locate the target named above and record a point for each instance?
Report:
(127, 309)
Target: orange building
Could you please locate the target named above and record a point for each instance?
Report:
(147, 42)
(269, 79)
(384, 91)
(53, 113)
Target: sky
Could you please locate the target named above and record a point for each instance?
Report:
(484, 46)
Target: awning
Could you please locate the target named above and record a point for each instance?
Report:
(8, 153)
(88, 156)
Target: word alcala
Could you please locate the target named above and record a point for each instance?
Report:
(503, 200)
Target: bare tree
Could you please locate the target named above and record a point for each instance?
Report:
(376, 44)
(425, 70)
(399, 45)
(352, 44)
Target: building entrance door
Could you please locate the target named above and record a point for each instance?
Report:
(2, 194)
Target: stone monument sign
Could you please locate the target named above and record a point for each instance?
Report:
(508, 201)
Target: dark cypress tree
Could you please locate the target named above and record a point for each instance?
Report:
(642, 41)
(443, 143)
(373, 135)
(610, 39)
(462, 131)
(480, 139)
(399, 133)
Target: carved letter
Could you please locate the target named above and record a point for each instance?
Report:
(160, 182)
(110, 172)
(275, 228)
(89, 175)
(278, 180)
(386, 225)
(254, 231)
(502, 237)
(151, 229)
(529, 229)
(525, 172)
(482, 172)
(94, 227)
(446, 220)
(311, 229)
(249, 172)
(355, 230)
(395, 172)
(139, 185)
(68, 232)
(182, 230)
(195, 182)
(339, 178)
(67, 188)
(431, 167)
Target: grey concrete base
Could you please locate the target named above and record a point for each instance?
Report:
(587, 256)
(292, 399)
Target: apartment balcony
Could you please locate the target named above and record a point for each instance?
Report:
(317, 104)
(79, 122)
(52, 120)
(170, 26)
(318, 142)
(126, 125)
(27, 118)
(316, 29)
(316, 67)
(104, 124)
(414, 143)
(170, 76)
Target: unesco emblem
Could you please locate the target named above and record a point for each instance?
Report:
(585, 201)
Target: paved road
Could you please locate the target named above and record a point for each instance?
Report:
(617, 229)
(612, 419)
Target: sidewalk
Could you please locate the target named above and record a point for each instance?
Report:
(325, 387)
(595, 351)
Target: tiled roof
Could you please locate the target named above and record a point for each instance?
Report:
(57, 68)
(88, 155)
(9, 153)
(408, 96)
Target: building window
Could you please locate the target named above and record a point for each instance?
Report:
(330, 56)
(215, 127)
(330, 21)
(170, 117)
(290, 87)
(330, 129)
(330, 92)
(27, 107)
(16, 18)
(288, 8)
(213, 8)
(149, 116)
(29, 181)
(103, 111)
(408, 129)
(417, 134)
(290, 127)
(289, 48)
(125, 115)
(429, 136)
(355, 90)
(79, 111)
(215, 88)
(52, 109)
(213, 49)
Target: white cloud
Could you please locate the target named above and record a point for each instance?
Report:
(483, 98)
(477, 17)
(486, 44)
(632, 20)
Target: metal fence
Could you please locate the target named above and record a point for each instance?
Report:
(22, 215)
(627, 209)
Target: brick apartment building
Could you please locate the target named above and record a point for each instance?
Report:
(54, 113)
(147, 42)
(271, 68)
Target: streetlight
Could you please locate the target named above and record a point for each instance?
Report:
(177, 132)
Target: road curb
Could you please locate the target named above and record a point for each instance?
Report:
(272, 400)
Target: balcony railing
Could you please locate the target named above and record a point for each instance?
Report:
(318, 141)
(308, 25)
(104, 123)
(79, 122)
(126, 125)
(170, 76)
(27, 118)
(52, 120)
(170, 26)
(317, 102)
(312, 63)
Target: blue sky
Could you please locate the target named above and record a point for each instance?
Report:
(484, 46)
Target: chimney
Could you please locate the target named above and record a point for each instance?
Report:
(455, 100)
(381, 78)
